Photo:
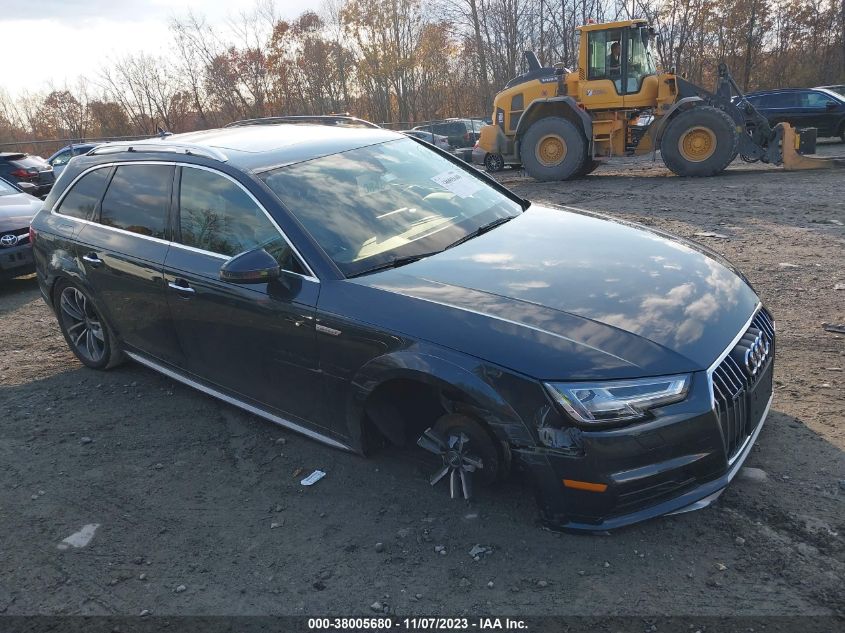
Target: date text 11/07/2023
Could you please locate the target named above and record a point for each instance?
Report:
(417, 624)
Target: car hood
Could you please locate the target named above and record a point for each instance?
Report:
(17, 211)
(562, 294)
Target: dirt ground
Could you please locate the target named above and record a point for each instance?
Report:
(200, 512)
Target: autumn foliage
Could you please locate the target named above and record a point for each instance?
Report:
(404, 61)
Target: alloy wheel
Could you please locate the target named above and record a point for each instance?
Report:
(458, 463)
(83, 325)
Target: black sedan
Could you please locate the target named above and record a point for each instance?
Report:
(364, 288)
(16, 212)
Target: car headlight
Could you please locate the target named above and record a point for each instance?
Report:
(617, 400)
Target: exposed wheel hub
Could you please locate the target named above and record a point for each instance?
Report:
(697, 144)
(458, 463)
(551, 150)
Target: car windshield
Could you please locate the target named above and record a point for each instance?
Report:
(6, 189)
(373, 206)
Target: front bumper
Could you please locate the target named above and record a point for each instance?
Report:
(679, 461)
(16, 261)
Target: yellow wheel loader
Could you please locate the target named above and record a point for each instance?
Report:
(560, 123)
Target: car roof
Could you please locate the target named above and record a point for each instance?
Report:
(773, 91)
(261, 147)
(74, 145)
(12, 155)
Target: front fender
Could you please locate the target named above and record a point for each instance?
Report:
(474, 392)
(567, 103)
(659, 126)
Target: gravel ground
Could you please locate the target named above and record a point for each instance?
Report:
(199, 509)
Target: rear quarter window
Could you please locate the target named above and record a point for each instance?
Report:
(138, 199)
(84, 195)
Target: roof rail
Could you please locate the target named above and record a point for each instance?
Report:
(314, 119)
(156, 147)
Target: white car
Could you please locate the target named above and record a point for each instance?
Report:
(429, 137)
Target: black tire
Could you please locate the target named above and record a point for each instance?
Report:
(589, 167)
(494, 163)
(709, 139)
(572, 157)
(87, 334)
(481, 443)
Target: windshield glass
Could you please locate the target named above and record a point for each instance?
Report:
(6, 189)
(640, 60)
(370, 206)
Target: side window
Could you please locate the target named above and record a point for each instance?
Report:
(218, 216)
(815, 100)
(138, 199)
(783, 100)
(605, 55)
(81, 200)
(62, 158)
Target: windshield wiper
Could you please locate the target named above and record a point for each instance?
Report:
(396, 262)
(481, 230)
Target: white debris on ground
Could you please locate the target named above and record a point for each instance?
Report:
(79, 539)
(313, 478)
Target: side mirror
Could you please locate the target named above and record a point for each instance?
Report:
(28, 187)
(251, 267)
(830, 105)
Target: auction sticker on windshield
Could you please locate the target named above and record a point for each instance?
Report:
(458, 182)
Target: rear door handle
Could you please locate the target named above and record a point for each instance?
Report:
(181, 286)
(92, 259)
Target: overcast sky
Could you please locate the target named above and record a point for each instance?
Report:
(56, 41)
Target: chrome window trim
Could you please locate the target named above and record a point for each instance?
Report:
(55, 211)
(311, 276)
(238, 403)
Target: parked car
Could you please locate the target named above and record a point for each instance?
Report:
(802, 108)
(362, 287)
(838, 89)
(17, 167)
(60, 159)
(17, 209)
(491, 162)
(435, 139)
(460, 132)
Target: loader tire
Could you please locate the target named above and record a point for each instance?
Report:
(553, 149)
(589, 167)
(701, 141)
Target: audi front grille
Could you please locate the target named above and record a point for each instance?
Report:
(744, 370)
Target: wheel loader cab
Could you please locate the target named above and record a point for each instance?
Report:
(616, 67)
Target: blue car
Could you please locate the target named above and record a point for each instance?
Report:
(63, 156)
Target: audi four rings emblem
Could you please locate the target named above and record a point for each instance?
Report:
(756, 355)
(8, 240)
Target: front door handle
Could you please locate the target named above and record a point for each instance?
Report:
(181, 286)
(92, 259)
